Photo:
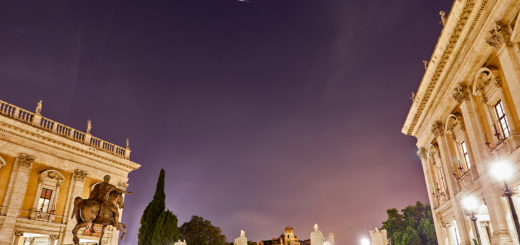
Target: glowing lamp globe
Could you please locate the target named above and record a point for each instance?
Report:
(502, 170)
(365, 241)
(470, 203)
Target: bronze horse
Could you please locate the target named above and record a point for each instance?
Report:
(88, 212)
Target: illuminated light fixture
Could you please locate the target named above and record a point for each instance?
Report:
(365, 241)
(502, 170)
(470, 203)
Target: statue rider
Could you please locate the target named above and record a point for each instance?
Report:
(101, 193)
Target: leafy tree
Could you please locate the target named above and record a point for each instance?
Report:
(166, 231)
(413, 227)
(199, 231)
(152, 212)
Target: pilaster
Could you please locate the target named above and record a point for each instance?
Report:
(15, 196)
(76, 190)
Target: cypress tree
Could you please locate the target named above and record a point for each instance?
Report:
(152, 212)
(166, 231)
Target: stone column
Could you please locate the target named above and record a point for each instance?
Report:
(490, 191)
(17, 236)
(53, 239)
(76, 190)
(14, 196)
(422, 153)
(447, 159)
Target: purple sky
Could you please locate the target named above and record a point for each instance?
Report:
(267, 114)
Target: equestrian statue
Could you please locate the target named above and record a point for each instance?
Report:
(102, 207)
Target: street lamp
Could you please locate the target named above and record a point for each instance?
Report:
(365, 241)
(503, 171)
(470, 203)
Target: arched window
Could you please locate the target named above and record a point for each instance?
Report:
(458, 143)
(487, 85)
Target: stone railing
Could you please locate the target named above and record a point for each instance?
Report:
(47, 124)
(466, 178)
(41, 216)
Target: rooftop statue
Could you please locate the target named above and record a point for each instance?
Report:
(102, 207)
(39, 107)
(89, 126)
(242, 240)
(317, 236)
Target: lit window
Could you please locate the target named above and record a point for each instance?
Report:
(466, 154)
(499, 109)
(44, 201)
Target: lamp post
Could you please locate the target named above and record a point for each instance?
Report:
(503, 171)
(470, 204)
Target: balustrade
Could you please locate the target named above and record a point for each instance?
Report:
(18, 113)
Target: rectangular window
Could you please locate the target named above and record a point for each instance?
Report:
(502, 120)
(466, 154)
(44, 201)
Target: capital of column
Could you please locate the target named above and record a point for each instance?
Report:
(80, 175)
(461, 92)
(422, 153)
(122, 185)
(499, 35)
(18, 233)
(25, 161)
(437, 129)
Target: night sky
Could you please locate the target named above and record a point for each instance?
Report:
(264, 114)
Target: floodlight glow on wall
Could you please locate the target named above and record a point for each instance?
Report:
(502, 170)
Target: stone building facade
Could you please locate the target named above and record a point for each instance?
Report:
(44, 165)
(465, 116)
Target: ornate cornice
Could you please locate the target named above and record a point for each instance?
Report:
(24, 160)
(430, 82)
(461, 92)
(437, 129)
(80, 175)
(499, 35)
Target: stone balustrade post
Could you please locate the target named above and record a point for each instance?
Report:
(37, 120)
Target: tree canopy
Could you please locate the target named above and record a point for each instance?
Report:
(414, 226)
(199, 231)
